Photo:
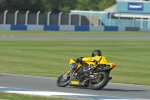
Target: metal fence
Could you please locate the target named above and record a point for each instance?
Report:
(119, 19)
(47, 19)
(129, 20)
(90, 18)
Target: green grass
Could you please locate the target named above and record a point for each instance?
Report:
(57, 33)
(51, 57)
(12, 96)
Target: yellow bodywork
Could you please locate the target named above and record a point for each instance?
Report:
(99, 59)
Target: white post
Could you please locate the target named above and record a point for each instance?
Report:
(16, 17)
(100, 24)
(141, 22)
(69, 18)
(126, 21)
(100, 17)
(110, 19)
(37, 20)
(122, 21)
(130, 24)
(133, 22)
(48, 17)
(120, 18)
(130, 21)
(90, 19)
(4, 21)
(26, 19)
(80, 19)
(149, 23)
(59, 18)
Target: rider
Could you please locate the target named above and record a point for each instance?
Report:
(96, 58)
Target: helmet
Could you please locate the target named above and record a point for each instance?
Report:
(96, 52)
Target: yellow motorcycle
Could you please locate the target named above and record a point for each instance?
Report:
(96, 78)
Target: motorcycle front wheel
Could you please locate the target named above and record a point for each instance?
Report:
(100, 82)
(63, 80)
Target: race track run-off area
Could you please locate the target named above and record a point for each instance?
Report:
(46, 86)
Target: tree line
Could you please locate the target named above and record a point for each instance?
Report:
(54, 5)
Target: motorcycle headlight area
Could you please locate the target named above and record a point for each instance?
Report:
(72, 67)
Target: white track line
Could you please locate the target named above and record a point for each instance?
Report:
(53, 93)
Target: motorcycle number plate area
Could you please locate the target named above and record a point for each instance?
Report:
(75, 82)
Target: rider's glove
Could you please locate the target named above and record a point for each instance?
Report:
(78, 60)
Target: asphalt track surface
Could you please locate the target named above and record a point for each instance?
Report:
(112, 90)
(37, 83)
(121, 37)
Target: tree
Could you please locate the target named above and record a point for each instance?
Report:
(88, 4)
(2, 9)
(60, 5)
(22, 5)
(97, 5)
(104, 4)
(54, 5)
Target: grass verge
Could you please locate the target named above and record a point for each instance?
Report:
(51, 57)
(12, 96)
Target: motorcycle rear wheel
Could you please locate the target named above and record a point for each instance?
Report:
(61, 82)
(100, 82)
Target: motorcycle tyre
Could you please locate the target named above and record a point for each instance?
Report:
(64, 84)
(102, 84)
